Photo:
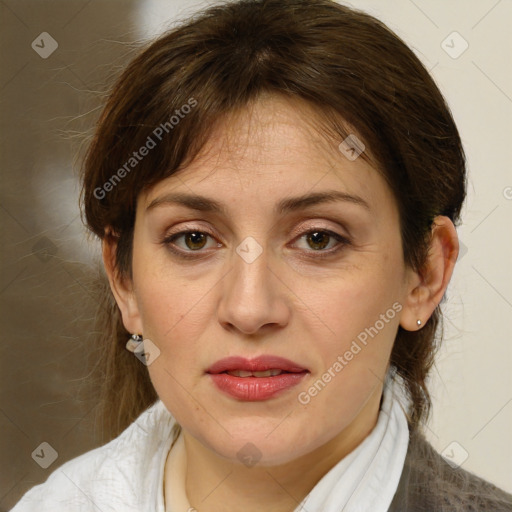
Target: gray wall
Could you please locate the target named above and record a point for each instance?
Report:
(46, 276)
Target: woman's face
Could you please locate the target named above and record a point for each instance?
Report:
(320, 283)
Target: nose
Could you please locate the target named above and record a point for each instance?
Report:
(254, 296)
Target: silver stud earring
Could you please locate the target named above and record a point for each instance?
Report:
(418, 322)
(134, 342)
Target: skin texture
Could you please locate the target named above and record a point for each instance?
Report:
(287, 302)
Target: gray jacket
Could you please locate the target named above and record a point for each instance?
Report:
(429, 484)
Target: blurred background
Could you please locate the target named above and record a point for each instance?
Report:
(57, 60)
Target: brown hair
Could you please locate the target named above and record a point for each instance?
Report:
(348, 65)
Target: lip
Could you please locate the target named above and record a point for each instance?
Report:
(255, 388)
(258, 364)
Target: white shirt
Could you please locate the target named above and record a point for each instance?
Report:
(127, 474)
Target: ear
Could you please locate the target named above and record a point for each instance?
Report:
(121, 286)
(427, 287)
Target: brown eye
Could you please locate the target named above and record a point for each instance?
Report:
(185, 243)
(318, 239)
(195, 240)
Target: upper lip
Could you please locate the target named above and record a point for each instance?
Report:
(258, 364)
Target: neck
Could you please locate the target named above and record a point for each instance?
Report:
(213, 481)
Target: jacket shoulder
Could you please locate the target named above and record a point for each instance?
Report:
(430, 483)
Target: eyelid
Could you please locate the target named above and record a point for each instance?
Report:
(317, 225)
(185, 228)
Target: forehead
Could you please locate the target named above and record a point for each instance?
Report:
(271, 131)
(272, 147)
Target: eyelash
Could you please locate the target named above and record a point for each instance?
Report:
(343, 242)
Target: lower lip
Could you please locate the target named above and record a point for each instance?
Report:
(252, 389)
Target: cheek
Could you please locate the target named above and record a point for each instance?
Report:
(352, 302)
(358, 314)
(360, 320)
(166, 297)
(174, 313)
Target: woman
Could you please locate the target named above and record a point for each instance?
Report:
(276, 186)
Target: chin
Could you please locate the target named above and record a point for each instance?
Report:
(258, 441)
(259, 451)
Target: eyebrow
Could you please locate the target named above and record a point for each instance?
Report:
(289, 204)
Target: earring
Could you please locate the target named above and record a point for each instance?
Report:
(134, 342)
(418, 322)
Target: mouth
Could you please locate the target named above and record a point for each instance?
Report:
(259, 367)
(255, 379)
